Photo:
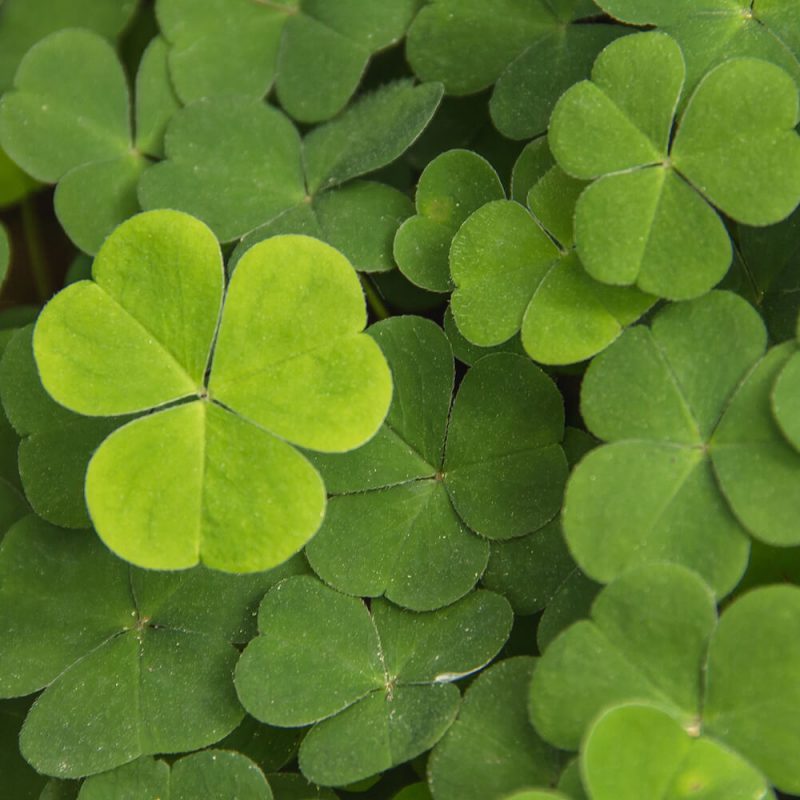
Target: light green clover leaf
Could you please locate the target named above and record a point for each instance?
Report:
(240, 166)
(132, 662)
(531, 49)
(314, 52)
(695, 459)
(646, 218)
(491, 749)
(60, 131)
(536, 794)
(216, 479)
(211, 774)
(516, 270)
(377, 681)
(406, 506)
(635, 751)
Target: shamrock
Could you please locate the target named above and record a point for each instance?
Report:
(377, 681)
(786, 398)
(211, 476)
(406, 506)
(132, 662)
(654, 637)
(315, 52)
(515, 269)
(646, 219)
(695, 460)
(533, 50)
(67, 121)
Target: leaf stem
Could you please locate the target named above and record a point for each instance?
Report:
(374, 299)
(36, 256)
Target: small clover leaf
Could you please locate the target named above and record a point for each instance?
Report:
(467, 352)
(15, 185)
(635, 751)
(319, 384)
(212, 775)
(645, 220)
(290, 786)
(491, 749)
(533, 50)
(60, 132)
(377, 682)
(695, 460)
(451, 187)
(405, 507)
(132, 662)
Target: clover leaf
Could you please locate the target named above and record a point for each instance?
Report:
(240, 166)
(636, 751)
(5, 253)
(290, 786)
(646, 218)
(314, 52)
(533, 50)
(132, 662)
(60, 132)
(536, 794)
(654, 638)
(785, 393)
(491, 749)
(468, 353)
(695, 459)
(216, 478)
(406, 506)
(15, 185)
(516, 270)
(451, 187)
(212, 774)
(377, 681)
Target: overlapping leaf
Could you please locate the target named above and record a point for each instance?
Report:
(132, 662)
(198, 480)
(695, 460)
(406, 507)
(377, 681)
(646, 218)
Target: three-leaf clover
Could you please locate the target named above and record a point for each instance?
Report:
(646, 219)
(695, 460)
(406, 507)
(212, 476)
(132, 662)
(377, 681)
(654, 637)
(68, 121)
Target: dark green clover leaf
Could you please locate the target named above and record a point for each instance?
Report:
(712, 31)
(569, 603)
(786, 397)
(315, 52)
(407, 505)
(646, 218)
(654, 637)
(695, 459)
(56, 443)
(467, 352)
(290, 786)
(24, 22)
(532, 49)
(212, 478)
(67, 121)
(451, 187)
(416, 791)
(378, 681)
(269, 747)
(516, 270)
(491, 749)
(636, 751)
(240, 166)
(210, 775)
(132, 662)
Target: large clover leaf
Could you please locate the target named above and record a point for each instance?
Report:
(532, 49)
(212, 478)
(516, 270)
(378, 681)
(491, 749)
(406, 506)
(646, 218)
(62, 132)
(240, 166)
(212, 775)
(654, 637)
(315, 52)
(132, 662)
(695, 459)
